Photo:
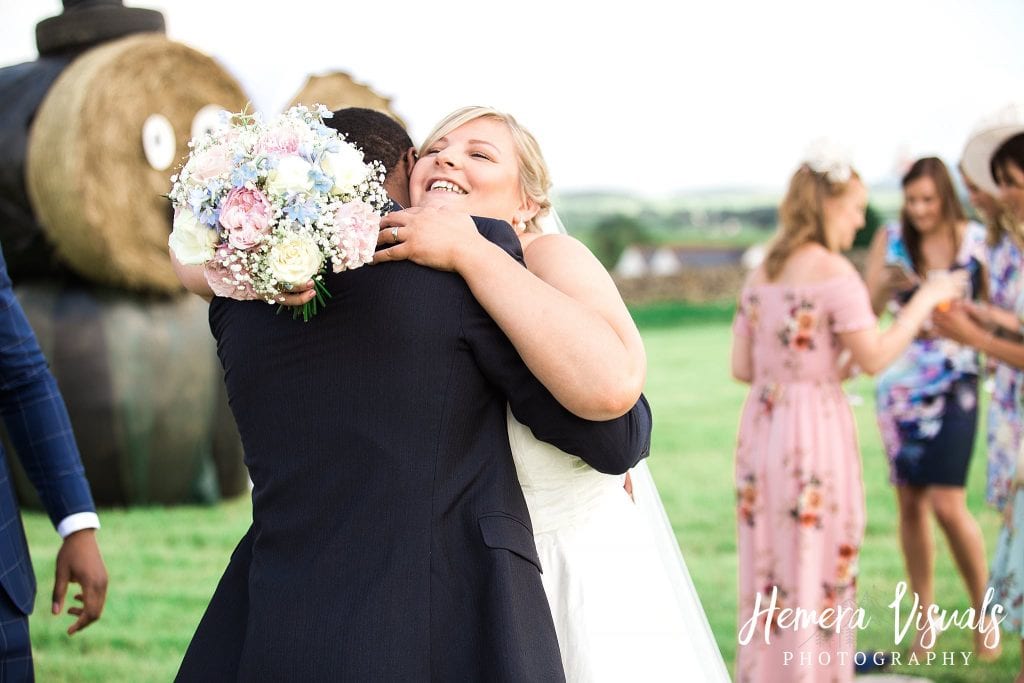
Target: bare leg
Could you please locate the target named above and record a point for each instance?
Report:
(918, 547)
(968, 546)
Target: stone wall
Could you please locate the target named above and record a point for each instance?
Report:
(696, 285)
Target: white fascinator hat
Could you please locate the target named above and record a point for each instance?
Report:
(828, 157)
(988, 136)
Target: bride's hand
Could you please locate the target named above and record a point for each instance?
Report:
(434, 237)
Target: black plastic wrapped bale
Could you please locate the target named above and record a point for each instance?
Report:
(145, 393)
(27, 250)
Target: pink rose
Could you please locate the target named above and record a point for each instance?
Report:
(279, 141)
(356, 225)
(211, 163)
(226, 282)
(246, 215)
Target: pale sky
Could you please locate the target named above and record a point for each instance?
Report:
(646, 96)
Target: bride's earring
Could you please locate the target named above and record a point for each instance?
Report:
(518, 224)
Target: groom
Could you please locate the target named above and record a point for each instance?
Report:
(390, 538)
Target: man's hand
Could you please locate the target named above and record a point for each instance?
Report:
(79, 561)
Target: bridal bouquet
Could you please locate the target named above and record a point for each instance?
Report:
(265, 205)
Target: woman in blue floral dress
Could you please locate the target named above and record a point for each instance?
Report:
(927, 401)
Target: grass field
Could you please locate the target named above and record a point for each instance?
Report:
(164, 563)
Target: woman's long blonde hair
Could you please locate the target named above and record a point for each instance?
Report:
(801, 218)
(534, 178)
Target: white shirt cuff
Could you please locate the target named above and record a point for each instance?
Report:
(77, 522)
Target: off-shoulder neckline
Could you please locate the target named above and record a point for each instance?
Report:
(804, 285)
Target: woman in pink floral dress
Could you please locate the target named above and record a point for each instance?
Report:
(798, 473)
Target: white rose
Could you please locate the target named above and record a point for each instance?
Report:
(295, 259)
(291, 175)
(191, 241)
(346, 167)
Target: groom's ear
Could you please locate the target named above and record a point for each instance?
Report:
(410, 158)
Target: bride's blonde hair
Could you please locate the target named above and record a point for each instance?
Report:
(801, 218)
(534, 178)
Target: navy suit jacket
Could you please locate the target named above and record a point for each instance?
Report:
(390, 538)
(40, 430)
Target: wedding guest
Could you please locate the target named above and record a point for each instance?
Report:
(995, 158)
(800, 497)
(38, 424)
(927, 401)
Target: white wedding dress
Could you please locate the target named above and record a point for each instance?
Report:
(622, 600)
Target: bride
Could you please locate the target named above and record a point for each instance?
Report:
(594, 532)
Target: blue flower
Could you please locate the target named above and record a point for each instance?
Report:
(333, 145)
(326, 132)
(215, 186)
(197, 196)
(321, 181)
(307, 152)
(242, 174)
(302, 212)
(209, 216)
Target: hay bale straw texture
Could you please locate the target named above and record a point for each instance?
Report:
(337, 90)
(98, 199)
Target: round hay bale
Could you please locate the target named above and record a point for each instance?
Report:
(337, 90)
(144, 391)
(93, 191)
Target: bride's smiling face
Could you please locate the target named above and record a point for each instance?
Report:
(474, 168)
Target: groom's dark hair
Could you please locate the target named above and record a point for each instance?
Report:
(379, 136)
